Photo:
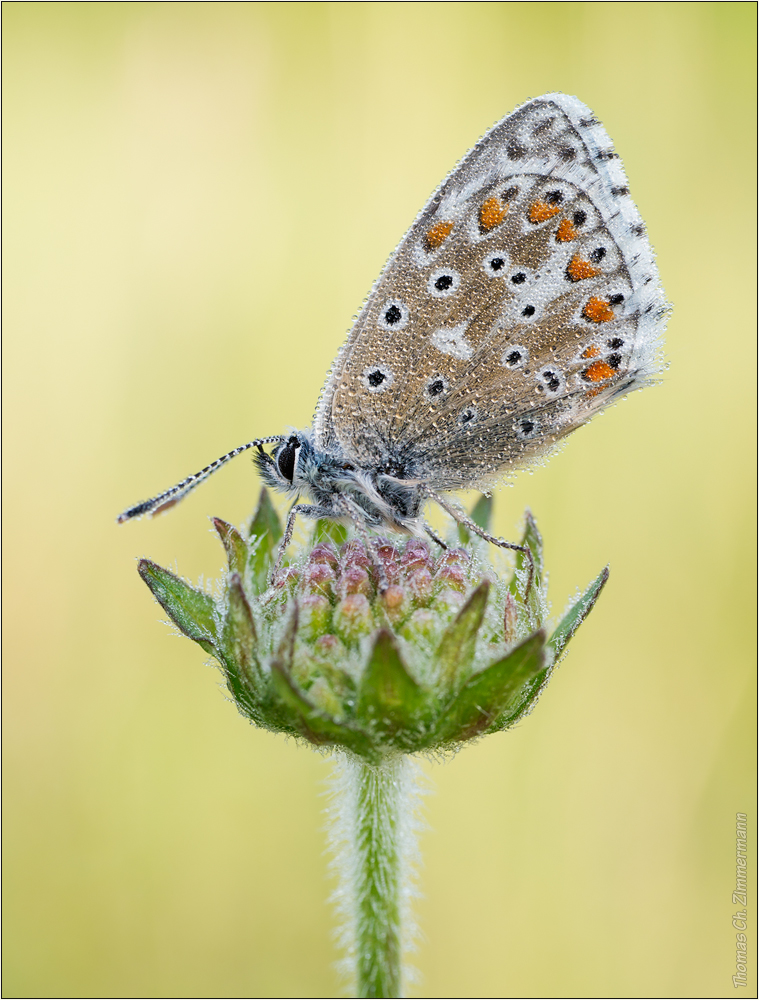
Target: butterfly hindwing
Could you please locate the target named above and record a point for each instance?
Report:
(522, 300)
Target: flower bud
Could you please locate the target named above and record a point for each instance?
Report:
(353, 618)
(437, 657)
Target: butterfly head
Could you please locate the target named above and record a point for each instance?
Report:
(295, 466)
(280, 469)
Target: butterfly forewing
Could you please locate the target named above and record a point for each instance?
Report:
(522, 300)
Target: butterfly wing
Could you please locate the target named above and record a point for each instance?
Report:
(523, 299)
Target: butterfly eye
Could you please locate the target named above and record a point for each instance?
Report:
(515, 357)
(436, 387)
(394, 315)
(496, 263)
(377, 378)
(287, 458)
(443, 283)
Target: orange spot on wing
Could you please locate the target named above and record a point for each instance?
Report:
(591, 352)
(598, 310)
(437, 235)
(593, 392)
(492, 214)
(579, 269)
(566, 231)
(599, 371)
(541, 211)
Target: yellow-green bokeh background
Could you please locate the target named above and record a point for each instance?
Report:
(197, 198)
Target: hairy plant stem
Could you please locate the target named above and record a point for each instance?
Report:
(374, 840)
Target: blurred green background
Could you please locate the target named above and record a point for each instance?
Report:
(197, 198)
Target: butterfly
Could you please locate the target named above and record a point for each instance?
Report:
(523, 300)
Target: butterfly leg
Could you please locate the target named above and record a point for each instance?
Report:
(307, 510)
(469, 524)
(359, 523)
(435, 538)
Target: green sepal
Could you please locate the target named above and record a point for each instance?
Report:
(490, 693)
(532, 539)
(481, 514)
(576, 615)
(234, 544)
(300, 715)
(389, 699)
(316, 726)
(265, 532)
(456, 650)
(239, 640)
(327, 530)
(191, 610)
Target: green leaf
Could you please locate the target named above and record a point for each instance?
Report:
(490, 693)
(523, 702)
(456, 649)
(191, 610)
(555, 647)
(319, 728)
(389, 699)
(532, 539)
(576, 615)
(239, 640)
(481, 514)
(327, 530)
(265, 532)
(234, 545)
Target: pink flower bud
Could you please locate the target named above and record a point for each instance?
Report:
(319, 578)
(353, 618)
(323, 553)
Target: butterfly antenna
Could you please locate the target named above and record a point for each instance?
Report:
(167, 499)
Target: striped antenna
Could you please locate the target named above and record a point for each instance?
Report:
(163, 501)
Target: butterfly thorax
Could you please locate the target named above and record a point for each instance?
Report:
(340, 488)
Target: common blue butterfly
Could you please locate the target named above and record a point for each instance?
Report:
(522, 301)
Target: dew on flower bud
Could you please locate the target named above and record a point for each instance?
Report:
(314, 615)
(453, 576)
(319, 579)
(423, 624)
(321, 694)
(388, 557)
(353, 617)
(455, 557)
(448, 602)
(354, 554)
(323, 553)
(419, 581)
(394, 601)
(355, 580)
(417, 554)
(328, 644)
(286, 578)
(393, 597)
(510, 618)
